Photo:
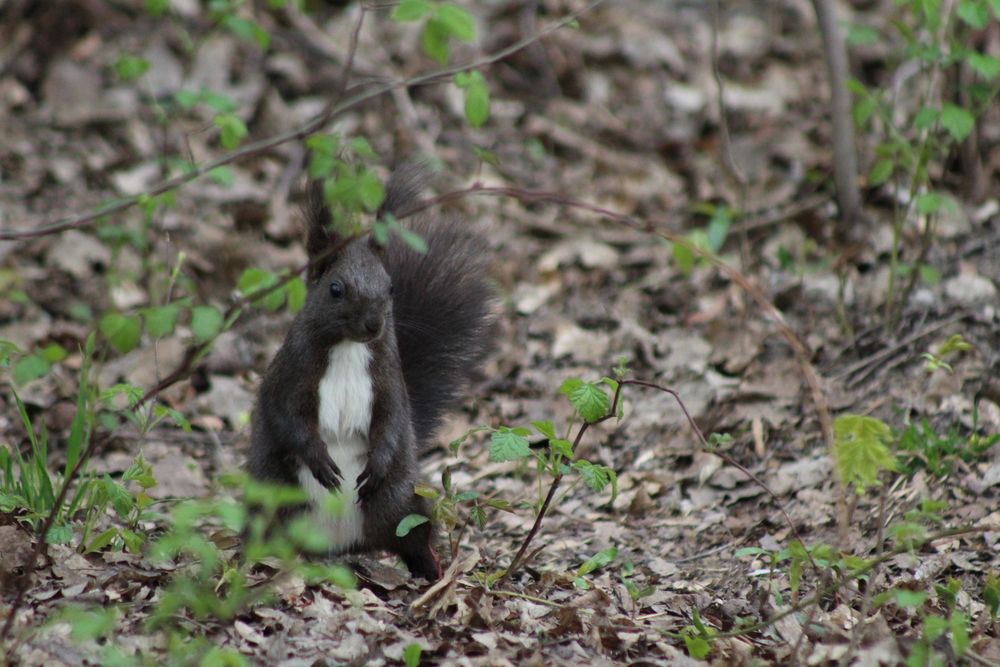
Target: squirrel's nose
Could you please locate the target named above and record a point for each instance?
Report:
(373, 324)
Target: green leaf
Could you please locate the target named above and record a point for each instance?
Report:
(546, 428)
(410, 10)
(974, 13)
(697, 647)
(102, 540)
(206, 322)
(987, 66)
(370, 191)
(360, 147)
(926, 117)
(248, 30)
(128, 68)
(408, 523)
(597, 561)
(412, 239)
(929, 202)
(457, 21)
(959, 632)
(881, 171)
(156, 7)
(486, 156)
(122, 331)
(296, 289)
(859, 35)
(991, 595)
(718, 228)
(120, 499)
(132, 394)
(89, 624)
(957, 121)
(561, 447)
(30, 368)
(590, 401)
(222, 175)
(411, 655)
(505, 445)
(232, 130)
(160, 320)
(434, 40)
(477, 103)
(597, 477)
(908, 599)
(861, 445)
(684, 257)
(53, 353)
(930, 275)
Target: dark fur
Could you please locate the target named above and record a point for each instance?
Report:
(427, 335)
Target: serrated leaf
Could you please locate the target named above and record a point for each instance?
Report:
(122, 331)
(505, 445)
(546, 428)
(30, 367)
(861, 445)
(561, 447)
(408, 523)
(160, 320)
(206, 322)
(410, 10)
(597, 477)
(590, 401)
(957, 121)
(232, 130)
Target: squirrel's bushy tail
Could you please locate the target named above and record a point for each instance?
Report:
(443, 305)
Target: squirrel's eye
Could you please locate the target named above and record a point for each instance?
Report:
(336, 289)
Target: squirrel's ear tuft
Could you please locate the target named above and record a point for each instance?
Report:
(319, 238)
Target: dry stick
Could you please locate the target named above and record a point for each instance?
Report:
(845, 159)
(316, 123)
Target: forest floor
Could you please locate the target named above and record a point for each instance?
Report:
(620, 112)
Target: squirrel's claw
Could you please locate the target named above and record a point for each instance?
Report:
(324, 470)
(368, 484)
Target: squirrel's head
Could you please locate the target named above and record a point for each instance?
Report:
(350, 292)
(350, 295)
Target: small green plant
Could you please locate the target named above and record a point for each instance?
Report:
(916, 140)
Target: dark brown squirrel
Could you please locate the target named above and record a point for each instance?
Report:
(386, 341)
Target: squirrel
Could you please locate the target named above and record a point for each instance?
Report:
(385, 344)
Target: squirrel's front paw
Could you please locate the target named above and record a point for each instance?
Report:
(323, 468)
(369, 482)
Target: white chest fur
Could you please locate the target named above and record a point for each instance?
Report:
(345, 410)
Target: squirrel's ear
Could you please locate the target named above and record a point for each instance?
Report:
(319, 238)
